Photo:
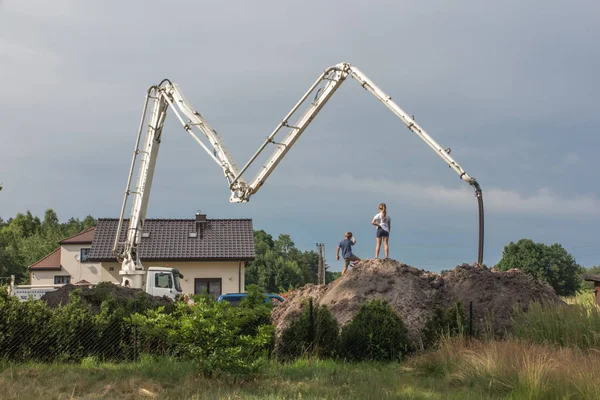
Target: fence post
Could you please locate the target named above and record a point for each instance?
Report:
(470, 319)
(311, 324)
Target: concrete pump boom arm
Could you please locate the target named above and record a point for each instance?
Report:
(168, 94)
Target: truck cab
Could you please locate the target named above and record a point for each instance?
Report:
(163, 281)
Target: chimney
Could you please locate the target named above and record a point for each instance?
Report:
(200, 223)
(200, 217)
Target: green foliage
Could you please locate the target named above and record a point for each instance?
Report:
(31, 331)
(315, 335)
(375, 333)
(445, 322)
(279, 265)
(252, 312)
(209, 334)
(216, 337)
(25, 239)
(552, 264)
(23, 328)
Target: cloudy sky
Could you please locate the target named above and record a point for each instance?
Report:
(510, 86)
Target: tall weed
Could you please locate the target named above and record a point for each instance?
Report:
(516, 369)
(575, 325)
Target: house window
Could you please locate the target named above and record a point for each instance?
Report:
(85, 254)
(212, 286)
(163, 280)
(62, 279)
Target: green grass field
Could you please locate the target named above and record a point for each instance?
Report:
(552, 353)
(459, 370)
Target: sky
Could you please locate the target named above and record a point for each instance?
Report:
(510, 86)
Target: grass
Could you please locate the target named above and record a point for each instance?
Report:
(514, 369)
(460, 369)
(166, 379)
(576, 324)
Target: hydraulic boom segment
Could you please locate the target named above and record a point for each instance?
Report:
(168, 95)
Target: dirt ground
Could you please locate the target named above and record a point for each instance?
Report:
(415, 294)
(95, 295)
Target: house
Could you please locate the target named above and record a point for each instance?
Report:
(212, 254)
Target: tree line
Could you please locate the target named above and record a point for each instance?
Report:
(25, 239)
(279, 265)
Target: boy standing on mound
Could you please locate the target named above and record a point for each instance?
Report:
(346, 246)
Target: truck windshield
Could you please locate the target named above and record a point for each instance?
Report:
(177, 284)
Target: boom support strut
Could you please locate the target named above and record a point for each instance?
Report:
(168, 95)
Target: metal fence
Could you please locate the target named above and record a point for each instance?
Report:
(35, 332)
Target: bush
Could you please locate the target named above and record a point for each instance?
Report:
(445, 322)
(215, 336)
(376, 332)
(23, 329)
(315, 336)
(207, 333)
(252, 312)
(32, 331)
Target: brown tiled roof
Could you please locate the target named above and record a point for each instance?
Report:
(220, 239)
(85, 236)
(592, 278)
(49, 263)
(82, 282)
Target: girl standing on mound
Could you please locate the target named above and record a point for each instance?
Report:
(384, 225)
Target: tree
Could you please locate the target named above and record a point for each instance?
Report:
(552, 264)
(279, 265)
(25, 239)
(89, 221)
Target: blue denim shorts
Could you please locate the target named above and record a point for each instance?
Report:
(382, 232)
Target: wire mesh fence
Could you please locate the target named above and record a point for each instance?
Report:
(33, 332)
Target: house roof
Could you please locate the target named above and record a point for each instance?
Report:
(169, 240)
(50, 262)
(85, 236)
(592, 278)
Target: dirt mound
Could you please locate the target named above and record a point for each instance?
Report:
(415, 293)
(94, 296)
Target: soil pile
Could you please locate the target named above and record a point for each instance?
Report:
(94, 296)
(415, 294)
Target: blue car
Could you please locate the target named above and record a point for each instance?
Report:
(235, 298)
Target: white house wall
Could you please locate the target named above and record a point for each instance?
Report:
(70, 261)
(45, 277)
(232, 273)
(228, 271)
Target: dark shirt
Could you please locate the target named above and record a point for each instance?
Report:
(346, 246)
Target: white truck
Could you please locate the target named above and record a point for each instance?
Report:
(160, 281)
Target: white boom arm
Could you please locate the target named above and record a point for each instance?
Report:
(168, 94)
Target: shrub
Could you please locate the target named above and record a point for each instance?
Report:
(376, 332)
(445, 322)
(216, 337)
(23, 329)
(252, 312)
(208, 333)
(315, 335)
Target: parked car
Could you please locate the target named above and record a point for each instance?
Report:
(235, 298)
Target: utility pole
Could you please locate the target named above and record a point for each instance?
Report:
(321, 277)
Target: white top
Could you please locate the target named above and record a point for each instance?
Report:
(384, 224)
